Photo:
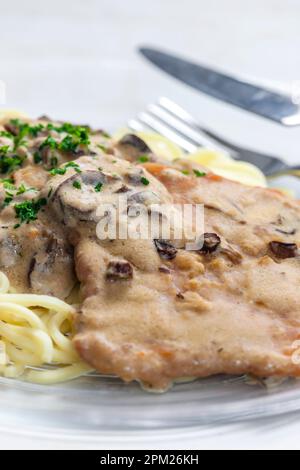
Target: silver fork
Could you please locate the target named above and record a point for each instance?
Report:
(173, 122)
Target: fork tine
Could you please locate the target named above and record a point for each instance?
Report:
(188, 119)
(137, 126)
(177, 111)
(173, 122)
(165, 130)
(186, 130)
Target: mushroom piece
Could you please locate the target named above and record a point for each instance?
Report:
(10, 250)
(119, 271)
(51, 271)
(136, 142)
(75, 199)
(283, 250)
(165, 249)
(146, 197)
(211, 241)
(132, 147)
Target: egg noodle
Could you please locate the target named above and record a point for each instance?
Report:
(36, 330)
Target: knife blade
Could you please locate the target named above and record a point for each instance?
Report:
(258, 100)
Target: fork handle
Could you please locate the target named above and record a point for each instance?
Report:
(293, 170)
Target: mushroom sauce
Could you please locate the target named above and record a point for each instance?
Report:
(151, 310)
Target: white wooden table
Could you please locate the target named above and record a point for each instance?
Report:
(77, 60)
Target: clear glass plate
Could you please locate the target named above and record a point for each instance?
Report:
(92, 405)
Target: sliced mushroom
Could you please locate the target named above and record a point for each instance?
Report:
(135, 176)
(122, 189)
(78, 203)
(10, 250)
(164, 269)
(132, 147)
(119, 271)
(283, 250)
(51, 270)
(136, 142)
(144, 197)
(293, 231)
(211, 241)
(165, 249)
(9, 127)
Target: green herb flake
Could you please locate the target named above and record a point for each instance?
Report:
(6, 134)
(98, 187)
(8, 163)
(143, 159)
(77, 184)
(68, 144)
(199, 174)
(73, 165)
(57, 171)
(8, 185)
(22, 189)
(145, 181)
(185, 172)
(28, 210)
(8, 198)
(37, 157)
(49, 142)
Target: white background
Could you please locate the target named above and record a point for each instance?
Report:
(77, 60)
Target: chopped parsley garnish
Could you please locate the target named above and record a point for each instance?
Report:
(12, 191)
(185, 172)
(49, 142)
(68, 144)
(98, 187)
(7, 184)
(77, 184)
(23, 130)
(22, 189)
(37, 157)
(78, 135)
(28, 210)
(58, 171)
(6, 134)
(8, 198)
(145, 181)
(73, 165)
(143, 159)
(7, 180)
(4, 149)
(199, 174)
(62, 171)
(8, 163)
